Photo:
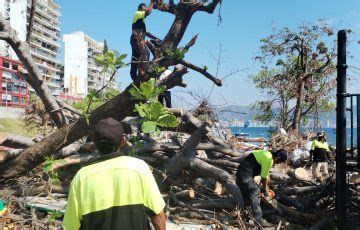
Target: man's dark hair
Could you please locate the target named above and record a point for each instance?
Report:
(141, 6)
(108, 134)
(280, 154)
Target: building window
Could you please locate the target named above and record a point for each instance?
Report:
(23, 100)
(15, 66)
(15, 89)
(15, 77)
(23, 90)
(6, 64)
(15, 99)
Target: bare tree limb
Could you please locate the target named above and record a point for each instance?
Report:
(210, 8)
(202, 71)
(31, 20)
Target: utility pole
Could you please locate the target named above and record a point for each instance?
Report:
(341, 132)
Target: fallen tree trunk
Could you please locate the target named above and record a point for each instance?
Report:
(15, 141)
(7, 154)
(119, 107)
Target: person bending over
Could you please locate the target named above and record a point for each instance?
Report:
(257, 163)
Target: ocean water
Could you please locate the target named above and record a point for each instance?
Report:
(265, 131)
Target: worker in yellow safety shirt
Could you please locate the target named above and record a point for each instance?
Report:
(117, 193)
(140, 51)
(257, 163)
(319, 156)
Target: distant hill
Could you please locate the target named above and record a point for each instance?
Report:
(237, 112)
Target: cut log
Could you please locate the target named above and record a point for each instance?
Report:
(299, 173)
(215, 204)
(302, 190)
(15, 141)
(73, 160)
(185, 194)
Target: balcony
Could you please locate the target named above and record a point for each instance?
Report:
(42, 49)
(49, 24)
(52, 8)
(46, 66)
(45, 39)
(47, 15)
(44, 56)
(46, 30)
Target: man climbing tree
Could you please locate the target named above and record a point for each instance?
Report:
(140, 51)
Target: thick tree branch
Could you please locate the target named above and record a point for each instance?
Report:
(210, 8)
(191, 42)
(202, 71)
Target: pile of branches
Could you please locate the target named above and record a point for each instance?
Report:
(195, 173)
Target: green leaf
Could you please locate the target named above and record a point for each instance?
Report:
(121, 57)
(167, 120)
(135, 92)
(148, 127)
(157, 132)
(158, 90)
(160, 69)
(155, 111)
(141, 109)
(147, 88)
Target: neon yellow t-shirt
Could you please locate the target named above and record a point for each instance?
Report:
(264, 158)
(320, 145)
(139, 15)
(118, 190)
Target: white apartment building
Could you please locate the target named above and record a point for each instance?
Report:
(81, 73)
(44, 39)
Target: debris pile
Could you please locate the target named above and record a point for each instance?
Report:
(197, 188)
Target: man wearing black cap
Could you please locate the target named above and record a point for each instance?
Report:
(257, 163)
(117, 193)
(319, 156)
(140, 51)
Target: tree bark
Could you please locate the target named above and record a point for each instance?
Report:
(298, 108)
(15, 141)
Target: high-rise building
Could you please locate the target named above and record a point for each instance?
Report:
(81, 73)
(44, 39)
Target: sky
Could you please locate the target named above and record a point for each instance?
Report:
(244, 23)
